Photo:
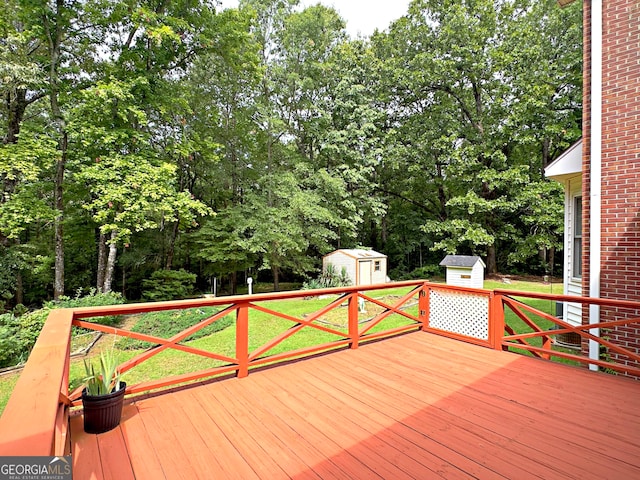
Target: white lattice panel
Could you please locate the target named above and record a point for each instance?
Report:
(462, 313)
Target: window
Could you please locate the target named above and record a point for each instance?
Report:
(576, 256)
(376, 265)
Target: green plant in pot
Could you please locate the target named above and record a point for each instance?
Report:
(103, 395)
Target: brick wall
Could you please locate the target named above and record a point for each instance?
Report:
(620, 267)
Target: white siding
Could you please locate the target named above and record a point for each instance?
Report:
(477, 276)
(572, 286)
(466, 276)
(380, 276)
(573, 311)
(339, 259)
(459, 276)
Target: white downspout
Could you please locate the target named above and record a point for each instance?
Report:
(595, 215)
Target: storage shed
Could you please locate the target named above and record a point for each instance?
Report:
(464, 270)
(364, 267)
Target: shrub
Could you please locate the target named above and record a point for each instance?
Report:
(329, 278)
(423, 273)
(168, 323)
(10, 352)
(18, 335)
(168, 285)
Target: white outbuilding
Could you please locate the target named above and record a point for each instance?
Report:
(363, 266)
(464, 270)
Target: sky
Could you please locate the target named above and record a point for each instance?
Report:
(362, 16)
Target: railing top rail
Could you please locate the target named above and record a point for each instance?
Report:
(456, 288)
(86, 312)
(570, 298)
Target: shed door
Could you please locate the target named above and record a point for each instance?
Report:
(365, 272)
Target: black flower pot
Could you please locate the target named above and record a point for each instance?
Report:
(102, 412)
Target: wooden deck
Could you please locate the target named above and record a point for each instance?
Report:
(416, 406)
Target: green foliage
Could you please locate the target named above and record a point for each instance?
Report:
(168, 323)
(11, 352)
(428, 137)
(18, 334)
(169, 285)
(133, 191)
(423, 273)
(106, 379)
(329, 278)
(92, 298)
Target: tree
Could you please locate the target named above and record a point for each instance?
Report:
(462, 82)
(284, 218)
(130, 188)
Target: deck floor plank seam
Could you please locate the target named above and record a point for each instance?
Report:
(538, 397)
(542, 430)
(537, 369)
(113, 452)
(194, 436)
(397, 455)
(407, 440)
(496, 394)
(444, 452)
(498, 429)
(252, 451)
(297, 443)
(325, 444)
(349, 435)
(85, 452)
(144, 458)
(441, 421)
(230, 461)
(266, 435)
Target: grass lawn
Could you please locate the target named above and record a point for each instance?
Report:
(262, 328)
(547, 306)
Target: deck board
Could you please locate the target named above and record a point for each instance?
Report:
(415, 406)
(143, 456)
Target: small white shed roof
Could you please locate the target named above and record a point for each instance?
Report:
(467, 261)
(359, 253)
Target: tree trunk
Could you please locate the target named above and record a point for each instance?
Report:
(276, 278)
(54, 35)
(492, 266)
(102, 261)
(124, 282)
(234, 283)
(111, 263)
(384, 234)
(58, 283)
(172, 245)
(17, 103)
(373, 235)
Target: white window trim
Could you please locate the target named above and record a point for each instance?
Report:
(576, 257)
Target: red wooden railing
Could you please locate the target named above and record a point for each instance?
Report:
(512, 340)
(35, 420)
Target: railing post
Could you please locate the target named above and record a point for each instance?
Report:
(496, 320)
(353, 308)
(423, 306)
(242, 339)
